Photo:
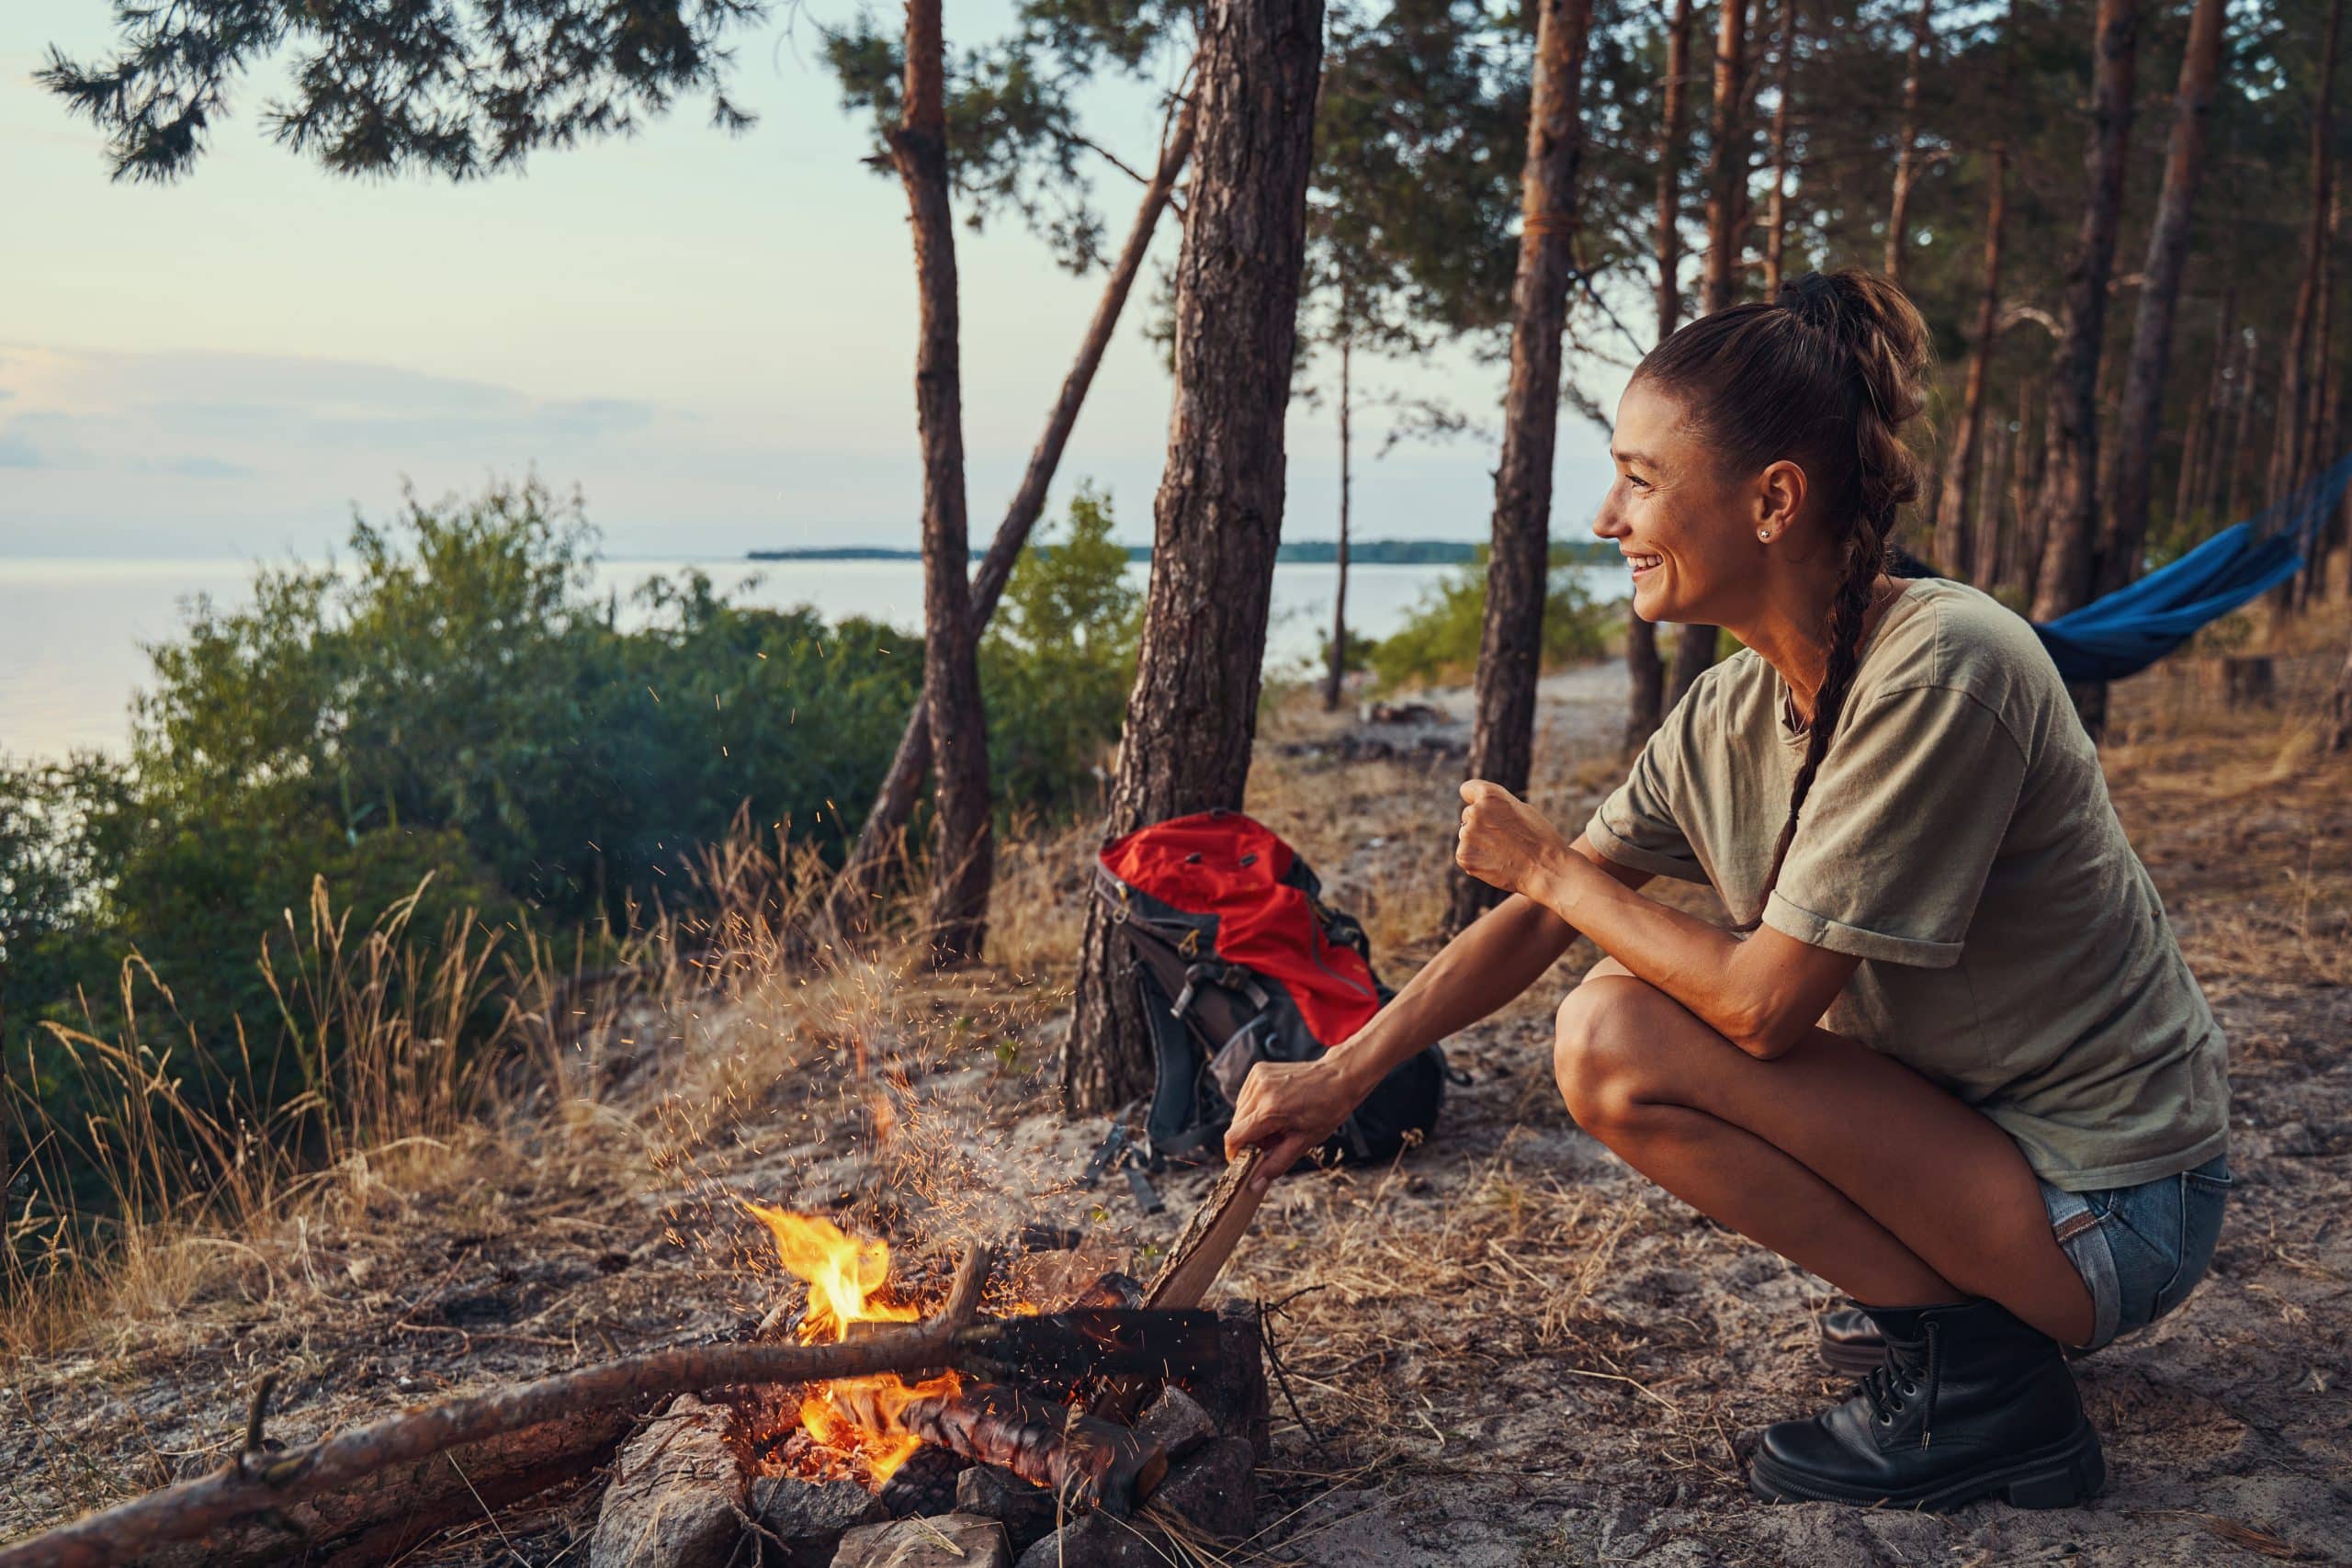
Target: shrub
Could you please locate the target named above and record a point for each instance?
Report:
(1438, 641)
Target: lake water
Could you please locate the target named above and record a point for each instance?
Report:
(71, 630)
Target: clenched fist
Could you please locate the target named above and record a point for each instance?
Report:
(1504, 842)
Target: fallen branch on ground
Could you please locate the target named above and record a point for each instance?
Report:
(258, 1484)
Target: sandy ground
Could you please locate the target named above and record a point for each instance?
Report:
(1508, 1348)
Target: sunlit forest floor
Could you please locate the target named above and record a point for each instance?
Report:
(1507, 1349)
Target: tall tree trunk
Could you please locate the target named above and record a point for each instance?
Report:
(1192, 714)
(2070, 488)
(1510, 644)
(850, 900)
(1776, 219)
(1695, 646)
(1646, 706)
(2292, 425)
(1952, 545)
(1906, 153)
(965, 848)
(2028, 458)
(1340, 597)
(2233, 467)
(1672, 126)
(2204, 440)
(2126, 534)
(2319, 444)
(1987, 532)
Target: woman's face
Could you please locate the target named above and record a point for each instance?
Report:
(1687, 529)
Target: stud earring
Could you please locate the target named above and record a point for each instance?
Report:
(1763, 532)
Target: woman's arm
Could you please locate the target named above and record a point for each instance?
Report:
(1291, 1107)
(1761, 994)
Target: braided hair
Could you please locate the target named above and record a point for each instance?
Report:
(1826, 375)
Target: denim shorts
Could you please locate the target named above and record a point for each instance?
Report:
(2141, 1249)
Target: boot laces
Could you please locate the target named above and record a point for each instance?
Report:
(1907, 1374)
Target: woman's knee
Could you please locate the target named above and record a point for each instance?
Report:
(1597, 1055)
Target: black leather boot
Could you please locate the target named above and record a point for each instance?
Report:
(1850, 1342)
(1967, 1402)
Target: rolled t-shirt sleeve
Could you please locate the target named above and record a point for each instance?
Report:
(1900, 830)
(1638, 825)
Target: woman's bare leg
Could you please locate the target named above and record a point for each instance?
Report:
(1841, 1160)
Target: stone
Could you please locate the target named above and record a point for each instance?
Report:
(1177, 1423)
(676, 1494)
(1215, 1491)
(811, 1517)
(1027, 1510)
(943, 1540)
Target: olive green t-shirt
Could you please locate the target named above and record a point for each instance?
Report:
(1960, 841)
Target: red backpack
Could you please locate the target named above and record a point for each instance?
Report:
(1237, 960)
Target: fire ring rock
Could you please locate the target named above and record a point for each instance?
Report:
(944, 1541)
(676, 1495)
(812, 1516)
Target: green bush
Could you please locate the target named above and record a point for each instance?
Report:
(1057, 659)
(1438, 641)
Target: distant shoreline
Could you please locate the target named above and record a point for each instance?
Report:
(1304, 552)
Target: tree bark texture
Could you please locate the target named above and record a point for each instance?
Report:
(2287, 456)
(1510, 644)
(2319, 424)
(965, 848)
(1954, 550)
(1695, 646)
(1646, 706)
(1340, 594)
(849, 904)
(2126, 534)
(1907, 153)
(2070, 486)
(1192, 712)
(1776, 219)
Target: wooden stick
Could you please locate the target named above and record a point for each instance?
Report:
(258, 1484)
(1208, 1237)
(1194, 1263)
(1084, 1462)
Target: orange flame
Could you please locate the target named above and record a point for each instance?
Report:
(845, 1276)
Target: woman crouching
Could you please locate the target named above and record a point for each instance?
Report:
(1951, 1059)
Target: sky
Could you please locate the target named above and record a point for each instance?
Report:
(711, 336)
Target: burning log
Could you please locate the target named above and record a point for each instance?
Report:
(256, 1483)
(1083, 1462)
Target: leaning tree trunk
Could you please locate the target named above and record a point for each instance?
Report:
(1695, 646)
(1510, 643)
(2143, 388)
(1953, 550)
(1339, 596)
(1646, 706)
(2070, 486)
(1192, 712)
(850, 903)
(1907, 153)
(1776, 211)
(965, 848)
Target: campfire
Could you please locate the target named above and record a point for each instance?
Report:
(849, 1283)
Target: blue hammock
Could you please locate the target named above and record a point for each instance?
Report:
(2138, 623)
